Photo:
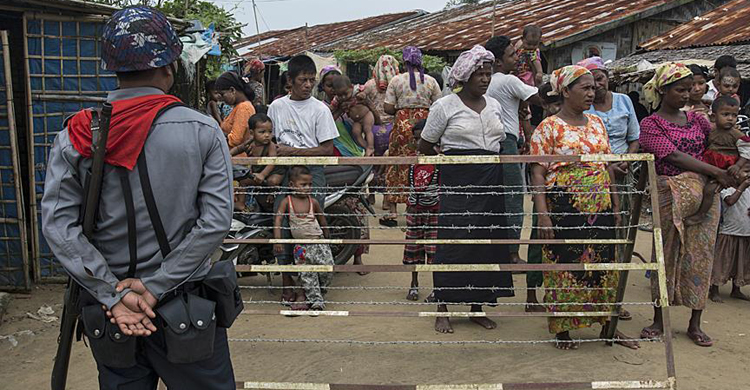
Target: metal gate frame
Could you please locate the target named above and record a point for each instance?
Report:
(623, 265)
(11, 217)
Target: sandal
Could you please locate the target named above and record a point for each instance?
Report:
(625, 315)
(649, 333)
(299, 306)
(700, 339)
(413, 294)
(388, 222)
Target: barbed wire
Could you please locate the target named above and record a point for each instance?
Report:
(437, 288)
(456, 214)
(467, 186)
(402, 303)
(484, 193)
(469, 227)
(441, 342)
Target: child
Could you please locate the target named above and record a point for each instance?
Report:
(534, 279)
(421, 214)
(259, 143)
(728, 83)
(728, 148)
(700, 86)
(529, 65)
(732, 260)
(362, 116)
(214, 97)
(306, 221)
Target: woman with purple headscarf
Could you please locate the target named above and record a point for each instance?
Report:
(408, 97)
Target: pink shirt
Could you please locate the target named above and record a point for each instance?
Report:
(662, 138)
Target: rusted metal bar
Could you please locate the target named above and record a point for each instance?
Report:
(489, 159)
(479, 241)
(600, 385)
(661, 271)
(431, 314)
(627, 254)
(448, 267)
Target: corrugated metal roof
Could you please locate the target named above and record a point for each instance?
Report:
(291, 42)
(562, 22)
(729, 23)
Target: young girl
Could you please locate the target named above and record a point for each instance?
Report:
(421, 214)
(306, 221)
(728, 148)
(728, 83)
(700, 87)
(529, 65)
(732, 259)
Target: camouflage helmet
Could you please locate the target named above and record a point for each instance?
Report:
(139, 38)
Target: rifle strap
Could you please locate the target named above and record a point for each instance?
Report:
(130, 211)
(153, 211)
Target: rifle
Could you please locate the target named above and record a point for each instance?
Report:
(99, 135)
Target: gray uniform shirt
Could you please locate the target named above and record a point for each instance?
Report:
(190, 171)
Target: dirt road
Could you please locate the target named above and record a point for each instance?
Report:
(725, 366)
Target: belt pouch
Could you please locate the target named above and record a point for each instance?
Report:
(110, 346)
(189, 326)
(221, 287)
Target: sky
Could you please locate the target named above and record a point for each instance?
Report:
(285, 14)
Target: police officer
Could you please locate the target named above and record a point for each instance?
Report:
(125, 269)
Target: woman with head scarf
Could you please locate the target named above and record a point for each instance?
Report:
(468, 123)
(237, 92)
(618, 114)
(254, 70)
(573, 201)
(408, 97)
(345, 146)
(678, 139)
(384, 71)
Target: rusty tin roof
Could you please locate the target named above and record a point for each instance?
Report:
(727, 24)
(290, 42)
(562, 22)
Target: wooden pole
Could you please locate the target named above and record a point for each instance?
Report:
(12, 132)
(494, 4)
(257, 27)
(33, 218)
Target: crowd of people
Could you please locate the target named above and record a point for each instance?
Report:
(691, 128)
(153, 306)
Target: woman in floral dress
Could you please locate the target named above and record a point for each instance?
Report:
(408, 97)
(574, 200)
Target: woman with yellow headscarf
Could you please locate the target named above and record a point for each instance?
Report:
(678, 139)
(573, 201)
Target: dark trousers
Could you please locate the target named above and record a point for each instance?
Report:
(214, 373)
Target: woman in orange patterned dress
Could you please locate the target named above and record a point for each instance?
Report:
(574, 199)
(408, 97)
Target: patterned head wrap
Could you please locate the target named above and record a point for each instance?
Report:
(593, 63)
(413, 59)
(138, 38)
(665, 75)
(565, 76)
(385, 70)
(468, 63)
(254, 67)
(324, 72)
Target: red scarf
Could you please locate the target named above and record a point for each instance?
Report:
(128, 128)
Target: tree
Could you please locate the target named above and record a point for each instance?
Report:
(458, 3)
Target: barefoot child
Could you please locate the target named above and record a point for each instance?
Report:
(728, 148)
(214, 97)
(421, 214)
(363, 118)
(529, 65)
(306, 221)
(732, 259)
(534, 279)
